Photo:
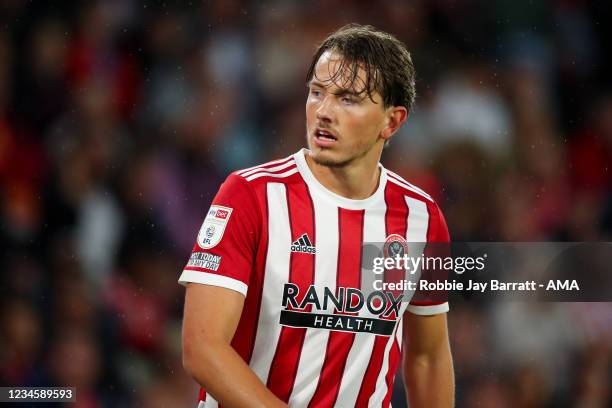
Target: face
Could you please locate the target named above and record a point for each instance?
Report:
(343, 125)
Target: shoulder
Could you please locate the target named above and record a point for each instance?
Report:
(276, 170)
(403, 186)
(415, 197)
(248, 187)
(250, 180)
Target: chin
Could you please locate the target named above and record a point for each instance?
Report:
(327, 158)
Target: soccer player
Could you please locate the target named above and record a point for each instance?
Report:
(275, 314)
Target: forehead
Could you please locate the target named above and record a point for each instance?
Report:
(334, 71)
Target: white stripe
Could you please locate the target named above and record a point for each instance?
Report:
(418, 220)
(326, 261)
(408, 187)
(361, 350)
(429, 309)
(271, 169)
(276, 271)
(275, 175)
(416, 235)
(241, 172)
(400, 332)
(210, 402)
(403, 180)
(212, 279)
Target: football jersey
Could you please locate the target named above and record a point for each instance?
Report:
(294, 249)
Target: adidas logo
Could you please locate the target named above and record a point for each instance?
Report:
(303, 244)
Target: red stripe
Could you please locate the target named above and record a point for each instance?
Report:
(348, 274)
(435, 230)
(247, 326)
(430, 232)
(396, 217)
(394, 357)
(396, 220)
(285, 362)
(395, 223)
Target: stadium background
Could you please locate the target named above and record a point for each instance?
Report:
(119, 120)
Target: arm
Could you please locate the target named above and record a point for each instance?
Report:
(427, 363)
(211, 316)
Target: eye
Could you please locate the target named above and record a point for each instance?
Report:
(315, 92)
(347, 100)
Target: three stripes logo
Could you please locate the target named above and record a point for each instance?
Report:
(303, 244)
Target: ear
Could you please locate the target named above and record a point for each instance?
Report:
(396, 115)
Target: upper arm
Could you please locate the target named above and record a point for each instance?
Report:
(211, 313)
(424, 335)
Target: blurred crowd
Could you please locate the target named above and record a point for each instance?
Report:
(119, 119)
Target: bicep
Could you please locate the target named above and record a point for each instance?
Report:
(210, 313)
(424, 335)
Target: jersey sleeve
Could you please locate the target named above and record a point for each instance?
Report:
(226, 245)
(438, 245)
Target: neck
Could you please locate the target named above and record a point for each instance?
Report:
(356, 181)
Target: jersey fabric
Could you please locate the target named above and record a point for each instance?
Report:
(293, 249)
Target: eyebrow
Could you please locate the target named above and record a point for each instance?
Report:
(339, 92)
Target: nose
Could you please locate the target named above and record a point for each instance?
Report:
(325, 109)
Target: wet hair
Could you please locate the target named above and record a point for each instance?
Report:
(385, 59)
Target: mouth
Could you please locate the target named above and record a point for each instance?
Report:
(324, 138)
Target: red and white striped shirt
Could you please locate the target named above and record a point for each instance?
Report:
(293, 248)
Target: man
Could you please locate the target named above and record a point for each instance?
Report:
(275, 314)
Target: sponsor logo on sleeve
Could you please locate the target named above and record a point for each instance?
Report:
(204, 260)
(213, 226)
(222, 214)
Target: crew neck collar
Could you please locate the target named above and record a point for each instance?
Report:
(314, 184)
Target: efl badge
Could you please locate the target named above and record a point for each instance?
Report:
(395, 245)
(213, 226)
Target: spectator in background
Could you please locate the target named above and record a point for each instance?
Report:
(74, 360)
(21, 336)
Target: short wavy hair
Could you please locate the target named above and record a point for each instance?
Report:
(385, 59)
